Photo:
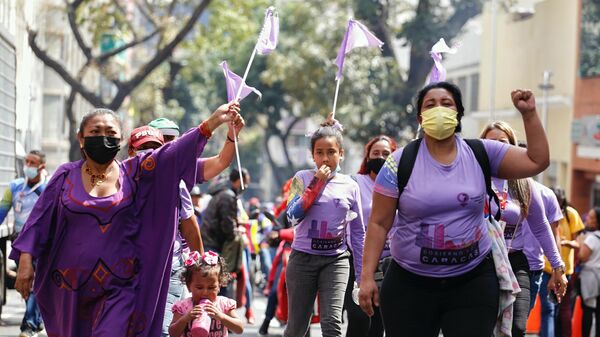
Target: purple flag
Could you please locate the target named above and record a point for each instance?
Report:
(233, 82)
(267, 40)
(438, 72)
(357, 35)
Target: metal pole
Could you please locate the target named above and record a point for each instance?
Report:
(493, 60)
(545, 86)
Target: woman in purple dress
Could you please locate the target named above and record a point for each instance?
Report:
(102, 231)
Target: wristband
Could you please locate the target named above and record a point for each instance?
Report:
(204, 130)
(231, 140)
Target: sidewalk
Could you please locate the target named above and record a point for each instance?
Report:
(12, 314)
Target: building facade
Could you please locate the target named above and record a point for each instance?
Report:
(526, 47)
(585, 192)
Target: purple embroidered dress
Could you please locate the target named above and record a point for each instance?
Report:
(103, 262)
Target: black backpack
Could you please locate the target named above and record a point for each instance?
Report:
(409, 156)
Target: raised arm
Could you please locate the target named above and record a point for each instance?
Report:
(524, 163)
(213, 166)
(177, 160)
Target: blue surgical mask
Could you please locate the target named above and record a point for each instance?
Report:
(30, 172)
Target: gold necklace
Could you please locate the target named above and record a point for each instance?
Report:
(95, 179)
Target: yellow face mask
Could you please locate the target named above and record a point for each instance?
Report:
(439, 122)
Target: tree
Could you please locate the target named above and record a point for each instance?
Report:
(89, 21)
(297, 80)
(431, 21)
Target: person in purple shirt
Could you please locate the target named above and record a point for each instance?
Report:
(146, 139)
(377, 150)
(522, 205)
(556, 317)
(533, 250)
(442, 275)
(102, 232)
(322, 204)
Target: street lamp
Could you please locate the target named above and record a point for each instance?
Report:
(545, 86)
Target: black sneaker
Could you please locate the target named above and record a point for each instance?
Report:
(28, 332)
(264, 328)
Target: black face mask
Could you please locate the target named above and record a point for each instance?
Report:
(101, 149)
(375, 165)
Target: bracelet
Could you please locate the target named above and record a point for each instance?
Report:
(231, 140)
(204, 130)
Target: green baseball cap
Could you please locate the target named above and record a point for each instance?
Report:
(166, 126)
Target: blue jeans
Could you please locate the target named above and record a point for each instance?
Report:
(174, 294)
(535, 280)
(548, 309)
(266, 259)
(33, 317)
(246, 261)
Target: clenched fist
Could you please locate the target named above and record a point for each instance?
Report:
(523, 100)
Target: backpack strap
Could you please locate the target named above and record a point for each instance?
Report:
(482, 158)
(407, 163)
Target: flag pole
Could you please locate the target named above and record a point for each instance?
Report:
(235, 138)
(239, 92)
(337, 90)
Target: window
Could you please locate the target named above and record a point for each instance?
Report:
(53, 116)
(474, 93)
(595, 199)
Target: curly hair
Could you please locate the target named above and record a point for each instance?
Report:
(206, 269)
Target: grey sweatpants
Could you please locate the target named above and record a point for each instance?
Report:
(307, 274)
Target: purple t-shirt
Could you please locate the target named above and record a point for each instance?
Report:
(440, 225)
(536, 221)
(322, 229)
(365, 186)
(533, 250)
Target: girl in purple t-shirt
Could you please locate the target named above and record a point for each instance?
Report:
(205, 313)
(522, 205)
(376, 151)
(442, 275)
(322, 204)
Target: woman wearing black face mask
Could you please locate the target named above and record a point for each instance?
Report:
(102, 231)
(376, 152)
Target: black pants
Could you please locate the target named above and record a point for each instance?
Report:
(359, 323)
(461, 306)
(588, 316)
(520, 266)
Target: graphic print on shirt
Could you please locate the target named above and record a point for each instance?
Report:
(301, 200)
(438, 249)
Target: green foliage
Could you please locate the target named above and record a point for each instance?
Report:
(298, 79)
(590, 39)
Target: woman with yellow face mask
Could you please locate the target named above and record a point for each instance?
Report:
(443, 275)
